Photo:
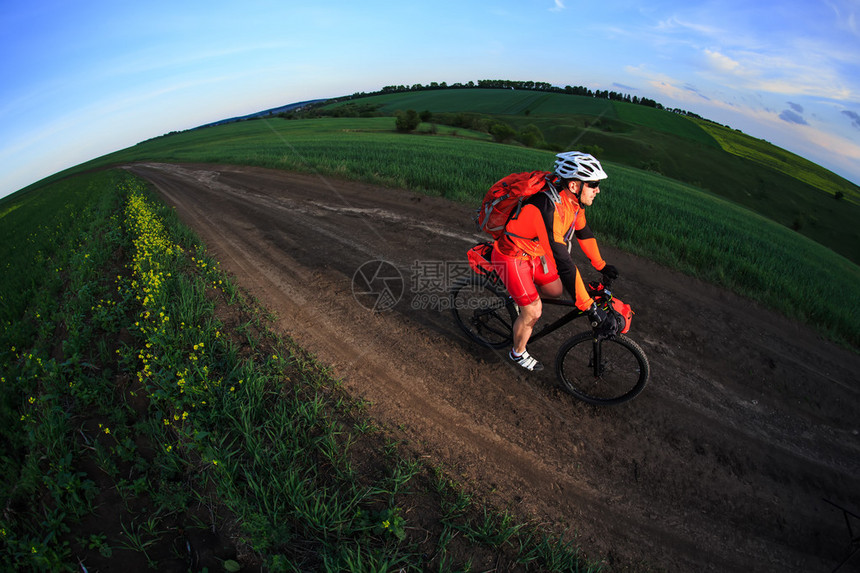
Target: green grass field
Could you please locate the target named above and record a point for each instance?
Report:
(660, 120)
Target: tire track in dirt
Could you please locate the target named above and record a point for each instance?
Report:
(720, 465)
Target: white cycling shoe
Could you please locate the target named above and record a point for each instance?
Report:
(526, 360)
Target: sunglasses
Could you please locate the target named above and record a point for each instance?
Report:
(592, 184)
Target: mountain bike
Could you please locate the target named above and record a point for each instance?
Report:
(601, 372)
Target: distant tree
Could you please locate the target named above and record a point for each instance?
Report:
(406, 121)
(651, 165)
(426, 115)
(502, 132)
(467, 120)
(531, 136)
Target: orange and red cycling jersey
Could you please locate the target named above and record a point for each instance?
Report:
(542, 230)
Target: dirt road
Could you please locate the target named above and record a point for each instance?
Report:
(724, 463)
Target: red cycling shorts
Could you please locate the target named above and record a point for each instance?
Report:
(521, 276)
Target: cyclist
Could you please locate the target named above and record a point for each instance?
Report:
(533, 254)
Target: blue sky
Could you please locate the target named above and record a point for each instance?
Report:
(81, 79)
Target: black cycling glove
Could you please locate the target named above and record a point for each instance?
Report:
(609, 272)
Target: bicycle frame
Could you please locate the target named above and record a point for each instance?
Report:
(567, 318)
(562, 321)
(599, 291)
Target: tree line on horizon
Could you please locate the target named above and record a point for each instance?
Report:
(522, 85)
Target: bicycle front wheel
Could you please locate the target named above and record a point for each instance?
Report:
(604, 372)
(484, 311)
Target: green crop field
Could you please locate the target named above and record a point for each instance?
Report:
(491, 101)
(660, 120)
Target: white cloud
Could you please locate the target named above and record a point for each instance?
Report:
(845, 14)
(723, 63)
(790, 75)
(736, 51)
(675, 24)
(668, 86)
(805, 136)
(558, 7)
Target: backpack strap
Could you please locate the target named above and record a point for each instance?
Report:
(549, 190)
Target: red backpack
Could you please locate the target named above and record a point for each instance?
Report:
(504, 199)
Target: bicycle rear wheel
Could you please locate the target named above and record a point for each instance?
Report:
(484, 311)
(603, 372)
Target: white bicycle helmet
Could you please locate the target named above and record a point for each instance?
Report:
(578, 165)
